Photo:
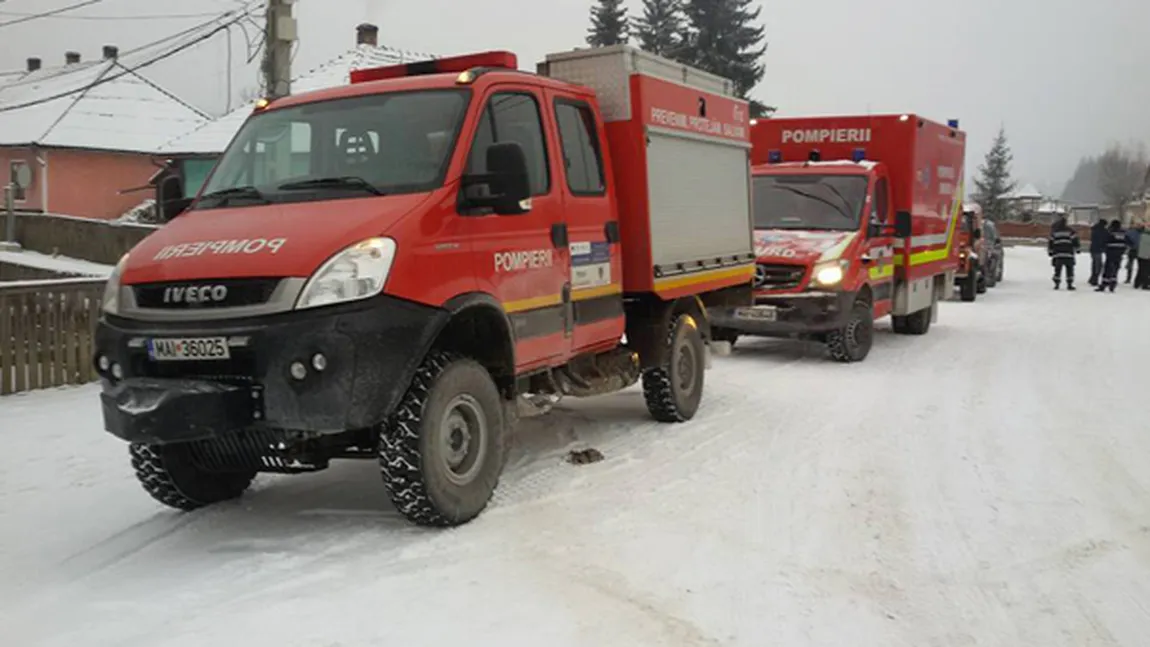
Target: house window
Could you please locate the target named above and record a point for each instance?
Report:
(19, 194)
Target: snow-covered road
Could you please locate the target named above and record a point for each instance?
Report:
(988, 484)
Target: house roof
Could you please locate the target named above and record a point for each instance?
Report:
(214, 136)
(99, 105)
(1027, 192)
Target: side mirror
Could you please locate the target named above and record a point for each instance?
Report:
(505, 186)
(175, 207)
(902, 224)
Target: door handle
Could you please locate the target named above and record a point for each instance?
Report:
(559, 235)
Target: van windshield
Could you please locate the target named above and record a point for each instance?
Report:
(819, 202)
(379, 144)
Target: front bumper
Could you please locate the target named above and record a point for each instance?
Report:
(372, 350)
(793, 314)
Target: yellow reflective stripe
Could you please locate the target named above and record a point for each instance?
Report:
(533, 303)
(886, 271)
(583, 294)
(671, 282)
(933, 255)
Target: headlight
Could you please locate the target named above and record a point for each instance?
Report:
(111, 301)
(830, 274)
(357, 272)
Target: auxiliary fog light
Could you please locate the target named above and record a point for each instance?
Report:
(117, 371)
(319, 362)
(104, 363)
(298, 370)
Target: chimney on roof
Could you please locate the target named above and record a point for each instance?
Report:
(367, 34)
(34, 64)
(71, 58)
(111, 52)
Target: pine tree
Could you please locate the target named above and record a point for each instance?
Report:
(722, 38)
(660, 28)
(994, 182)
(608, 24)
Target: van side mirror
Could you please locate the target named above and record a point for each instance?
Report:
(175, 207)
(902, 224)
(505, 186)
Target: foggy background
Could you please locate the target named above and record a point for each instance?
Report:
(1065, 77)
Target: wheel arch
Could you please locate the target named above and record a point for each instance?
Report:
(478, 327)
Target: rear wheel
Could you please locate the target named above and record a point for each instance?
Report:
(674, 390)
(852, 342)
(441, 453)
(916, 323)
(171, 476)
(968, 289)
(1001, 271)
(992, 276)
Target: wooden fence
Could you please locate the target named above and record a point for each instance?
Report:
(46, 333)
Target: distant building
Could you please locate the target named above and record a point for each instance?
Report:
(88, 133)
(191, 156)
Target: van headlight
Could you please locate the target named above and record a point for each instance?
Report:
(831, 273)
(111, 301)
(357, 272)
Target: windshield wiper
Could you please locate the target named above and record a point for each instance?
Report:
(244, 192)
(339, 182)
(821, 199)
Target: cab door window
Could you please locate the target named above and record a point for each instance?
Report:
(513, 117)
(581, 156)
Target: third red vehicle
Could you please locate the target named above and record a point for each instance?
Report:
(855, 219)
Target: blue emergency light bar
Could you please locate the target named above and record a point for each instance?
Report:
(953, 123)
(774, 157)
(858, 155)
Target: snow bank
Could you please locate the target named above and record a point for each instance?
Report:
(62, 264)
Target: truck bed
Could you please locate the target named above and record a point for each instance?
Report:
(679, 141)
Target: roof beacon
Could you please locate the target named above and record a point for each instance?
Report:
(450, 65)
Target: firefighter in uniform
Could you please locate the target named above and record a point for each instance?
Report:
(1116, 246)
(1062, 247)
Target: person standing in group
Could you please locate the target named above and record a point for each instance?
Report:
(1098, 239)
(1133, 237)
(1116, 248)
(1062, 247)
(1142, 276)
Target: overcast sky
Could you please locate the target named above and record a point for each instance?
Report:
(1065, 77)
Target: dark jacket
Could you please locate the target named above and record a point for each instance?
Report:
(1133, 237)
(1063, 243)
(1099, 237)
(1116, 243)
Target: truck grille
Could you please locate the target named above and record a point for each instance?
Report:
(209, 293)
(770, 276)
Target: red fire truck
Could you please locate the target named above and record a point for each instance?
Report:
(400, 267)
(855, 219)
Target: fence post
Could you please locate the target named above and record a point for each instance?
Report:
(10, 209)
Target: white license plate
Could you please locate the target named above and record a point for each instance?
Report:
(758, 313)
(192, 349)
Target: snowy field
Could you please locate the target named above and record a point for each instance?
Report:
(988, 484)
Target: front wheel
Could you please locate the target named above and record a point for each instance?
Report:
(992, 276)
(852, 342)
(968, 289)
(1001, 272)
(674, 390)
(170, 474)
(441, 453)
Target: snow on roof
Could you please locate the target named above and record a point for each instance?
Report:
(100, 105)
(214, 136)
(1028, 192)
(62, 264)
(1051, 207)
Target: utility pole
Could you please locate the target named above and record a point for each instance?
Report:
(279, 38)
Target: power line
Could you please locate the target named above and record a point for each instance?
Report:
(49, 14)
(132, 70)
(171, 16)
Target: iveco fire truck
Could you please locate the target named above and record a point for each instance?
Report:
(855, 219)
(399, 267)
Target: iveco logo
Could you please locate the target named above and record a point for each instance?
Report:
(196, 294)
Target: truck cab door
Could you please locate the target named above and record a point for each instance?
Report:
(595, 276)
(878, 252)
(522, 259)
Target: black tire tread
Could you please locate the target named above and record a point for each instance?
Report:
(837, 344)
(658, 392)
(157, 470)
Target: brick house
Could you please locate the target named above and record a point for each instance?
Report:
(88, 132)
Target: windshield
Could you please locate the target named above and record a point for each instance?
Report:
(820, 202)
(372, 145)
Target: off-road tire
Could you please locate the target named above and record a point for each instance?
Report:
(852, 342)
(412, 461)
(725, 334)
(170, 476)
(968, 289)
(982, 286)
(992, 277)
(674, 390)
(915, 323)
(1001, 271)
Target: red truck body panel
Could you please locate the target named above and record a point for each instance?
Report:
(922, 158)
